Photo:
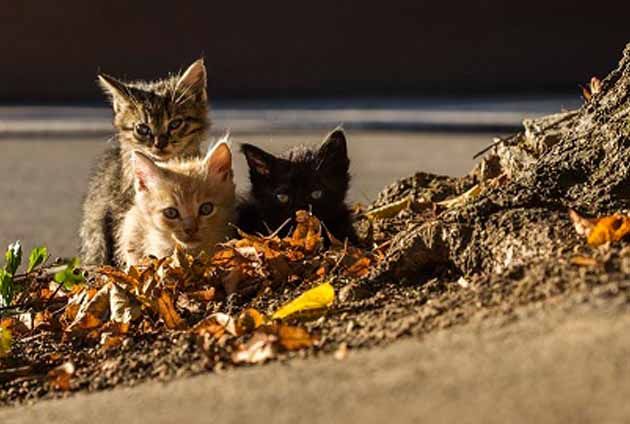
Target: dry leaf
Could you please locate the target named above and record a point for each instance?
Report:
(603, 230)
(462, 199)
(216, 324)
(359, 268)
(390, 210)
(609, 229)
(587, 261)
(249, 320)
(60, 377)
(167, 312)
(203, 295)
(259, 348)
(294, 338)
(6, 339)
(308, 233)
(319, 297)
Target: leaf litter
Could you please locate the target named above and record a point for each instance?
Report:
(229, 304)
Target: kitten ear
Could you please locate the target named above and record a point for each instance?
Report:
(333, 153)
(146, 173)
(259, 161)
(219, 159)
(117, 90)
(194, 80)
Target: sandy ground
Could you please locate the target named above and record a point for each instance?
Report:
(552, 364)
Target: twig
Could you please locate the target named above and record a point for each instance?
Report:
(496, 141)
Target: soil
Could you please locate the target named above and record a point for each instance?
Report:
(509, 245)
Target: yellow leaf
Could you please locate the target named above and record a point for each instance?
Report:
(319, 297)
(389, 210)
(462, 199)
(6, 339)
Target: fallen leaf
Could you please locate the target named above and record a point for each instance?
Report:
(294, 338)
(216, 324)
(307, 233)
(389, 210)
(60, 377)
(587, 261)
(319, 297)
(167, 312)
(249, 320)
(359, 268)
(203, 295)
(603, 230)
(462, 199)
(259, 348)
(609, 229)
(6, 340)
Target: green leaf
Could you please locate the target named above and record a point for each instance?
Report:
(70, 274)
(37, 257)
(13, 257)
(7, 288)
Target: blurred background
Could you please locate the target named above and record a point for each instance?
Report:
(418, 85)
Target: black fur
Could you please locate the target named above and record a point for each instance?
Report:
(297, 174)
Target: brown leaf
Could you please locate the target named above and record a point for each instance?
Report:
(359, 268)
(203, 295)
(249, 320)
(609, 229)
(294, 338)
(595, 85)
(60, 377)
(307, 233)
(217, 325)
(603, 230)
(586, 261)
(167, 312)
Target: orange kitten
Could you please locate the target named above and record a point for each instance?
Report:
(184, 201)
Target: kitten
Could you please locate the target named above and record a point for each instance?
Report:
(184, 201)
(162, 119)
(302, 178)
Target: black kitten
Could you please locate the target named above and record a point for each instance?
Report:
(302, 178)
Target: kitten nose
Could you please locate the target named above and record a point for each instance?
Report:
(160, 141)
(190, 226)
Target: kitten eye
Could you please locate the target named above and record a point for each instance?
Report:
(174, 124)
(282, 198)
(171, 213)
(143, 130)
(317, 194)
(206, 209)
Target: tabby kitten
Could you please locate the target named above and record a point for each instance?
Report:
(302, 178)
(161, 119)
(185, 201)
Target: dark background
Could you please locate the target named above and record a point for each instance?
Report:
(51, 50)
